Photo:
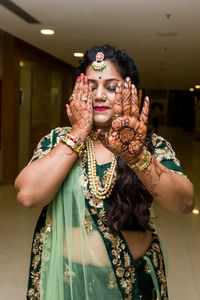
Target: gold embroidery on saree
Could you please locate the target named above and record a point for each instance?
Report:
(147, 270)
(68, 274)
(112, 284)
(34, 292)
(87, 225)
(37, 249)
(158, 262)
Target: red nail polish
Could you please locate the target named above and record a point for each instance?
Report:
(82, 74)
(85, 77)
(78, 77)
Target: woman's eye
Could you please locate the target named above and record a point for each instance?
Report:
(111, 88)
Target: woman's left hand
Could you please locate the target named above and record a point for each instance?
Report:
(128, 131)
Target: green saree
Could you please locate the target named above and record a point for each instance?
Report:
(75, 256)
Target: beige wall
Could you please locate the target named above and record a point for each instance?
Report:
(25, 114)
(47, 93)
(46, 83)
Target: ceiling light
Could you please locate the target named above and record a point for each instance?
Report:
(195, 211)
(78, 54)
(191, 89)
(21, 64)
(197, 86)
(47, 31)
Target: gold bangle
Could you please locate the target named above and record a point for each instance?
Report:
(143, 163)
(75, 144)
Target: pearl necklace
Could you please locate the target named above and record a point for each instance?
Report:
(99, 192)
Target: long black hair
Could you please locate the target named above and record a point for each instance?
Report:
(130, 200)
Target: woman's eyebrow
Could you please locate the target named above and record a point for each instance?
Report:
(107, 80)
(112, 79)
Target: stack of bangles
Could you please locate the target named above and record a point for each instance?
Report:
(143, 163)
(75, 144)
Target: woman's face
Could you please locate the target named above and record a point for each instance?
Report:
(103, 83)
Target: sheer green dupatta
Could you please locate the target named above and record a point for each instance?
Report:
(75, 264)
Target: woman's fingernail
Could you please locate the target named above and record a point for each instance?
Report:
(78, 77)
(84, 77)
(82, 74)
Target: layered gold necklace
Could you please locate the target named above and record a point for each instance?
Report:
(97, 191)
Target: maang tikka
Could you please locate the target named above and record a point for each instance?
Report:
(99, 64)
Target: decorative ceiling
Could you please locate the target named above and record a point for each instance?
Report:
(161, 35)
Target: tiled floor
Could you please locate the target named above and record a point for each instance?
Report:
(179, 232)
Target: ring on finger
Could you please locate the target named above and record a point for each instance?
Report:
(116, 115)
(72, 97)
(84, 98)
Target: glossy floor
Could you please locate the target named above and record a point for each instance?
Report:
(179, 232)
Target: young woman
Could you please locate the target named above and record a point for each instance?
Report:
(96, 181)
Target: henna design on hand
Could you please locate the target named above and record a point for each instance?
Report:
(128, 132)
(160, 169)
(126, 98)
(80, 112)
(151, 183)
(117, 109)
(134, 102)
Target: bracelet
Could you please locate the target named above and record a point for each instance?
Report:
(143, 163)
(75, 144)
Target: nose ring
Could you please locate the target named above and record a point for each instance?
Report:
(104, 97)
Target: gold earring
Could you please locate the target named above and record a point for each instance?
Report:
(104, 97)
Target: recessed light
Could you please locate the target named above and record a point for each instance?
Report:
(21, 64)
(197, 86)
(47, 31)
(195, 211)
(78, 54)
(191, 89)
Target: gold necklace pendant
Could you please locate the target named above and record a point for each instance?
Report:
(99, 193)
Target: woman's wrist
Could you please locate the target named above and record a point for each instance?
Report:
(74, 143)
(143, 161)
(79, 134)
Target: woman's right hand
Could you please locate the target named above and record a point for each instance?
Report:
(80, 112)
(38, 183)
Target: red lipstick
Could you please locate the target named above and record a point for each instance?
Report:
(100, 108)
